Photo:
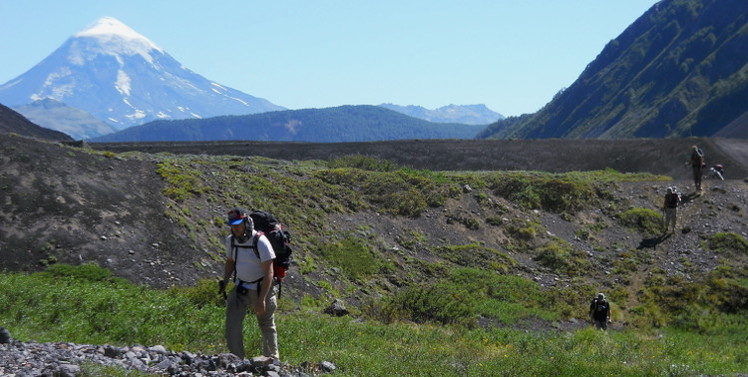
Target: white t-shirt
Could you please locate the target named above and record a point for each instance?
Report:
(248, 266)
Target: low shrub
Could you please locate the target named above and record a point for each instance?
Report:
(363, 163)
(477, 256)
(353, 256)
(465, 295)
(87, 271)
(642, 219)
(557, 193)
(468, 221)
(200, 295)
(439, 303)
(403, 192)
(560, 256)
(727, 243)
(181, 181)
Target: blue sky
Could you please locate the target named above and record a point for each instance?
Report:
(510, 55)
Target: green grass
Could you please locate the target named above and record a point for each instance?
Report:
(478, 256)
(467, 296)
(645, 220)
(88, 306)
(353, 256)
(562, 257)
(727, 243)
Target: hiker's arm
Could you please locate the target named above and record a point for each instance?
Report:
(228, 270)
(266, 286)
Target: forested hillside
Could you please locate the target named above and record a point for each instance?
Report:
(338, 124)
(680, 70)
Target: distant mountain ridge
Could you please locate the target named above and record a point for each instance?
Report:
(465, 114)
(56, 115)
(123, 78)
(13, 122)
(679, 70)
(337, 124)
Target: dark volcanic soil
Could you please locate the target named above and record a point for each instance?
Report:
(60, 204)
(658, 156)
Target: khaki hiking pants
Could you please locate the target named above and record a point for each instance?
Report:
(237, 306)
(670, 218)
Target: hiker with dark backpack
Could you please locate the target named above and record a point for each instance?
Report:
(670, 208)
(249, 259)
(600, 312)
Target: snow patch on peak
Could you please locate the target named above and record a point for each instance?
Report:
(123, 83)
(106, 27)
(116, 38)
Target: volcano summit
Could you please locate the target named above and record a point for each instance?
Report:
(124, 79)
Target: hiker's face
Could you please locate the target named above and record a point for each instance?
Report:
(238, 230)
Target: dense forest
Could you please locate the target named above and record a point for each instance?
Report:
(338, 124)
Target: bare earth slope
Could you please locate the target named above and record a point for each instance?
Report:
(72, 205)
(62, 204)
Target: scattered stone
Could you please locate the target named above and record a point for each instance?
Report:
(65, 359)
(327, 366)
(158, 349)
(337, 309)
(5, 337)
(68, 370)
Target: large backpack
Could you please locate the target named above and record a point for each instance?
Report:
(279, 238)
(673, 199)
(600, 309)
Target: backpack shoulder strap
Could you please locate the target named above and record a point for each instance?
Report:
(236, 255)
(255, 243)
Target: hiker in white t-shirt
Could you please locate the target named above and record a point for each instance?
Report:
(249, 259)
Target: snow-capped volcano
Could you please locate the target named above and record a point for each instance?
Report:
(116, 38)
(123, 78)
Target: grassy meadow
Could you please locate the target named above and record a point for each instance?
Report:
(85, 304)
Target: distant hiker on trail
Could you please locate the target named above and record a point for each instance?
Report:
(697, 164)
(600, 312)
(249, 258)
(670, 208)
